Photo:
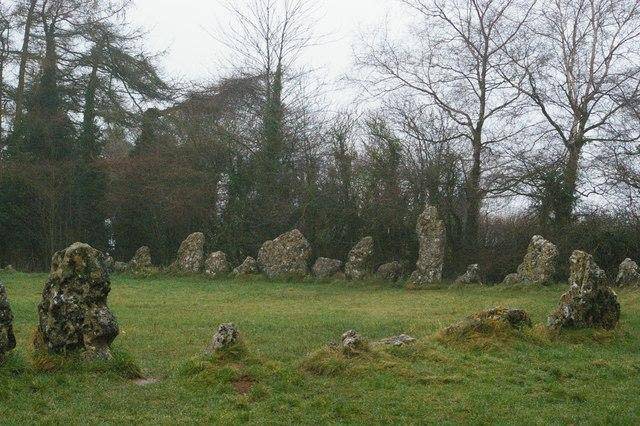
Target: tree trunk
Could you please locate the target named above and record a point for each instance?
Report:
(474, 201)
(566, 199)
(24, 56)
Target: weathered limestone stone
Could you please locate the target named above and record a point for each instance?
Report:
(589, 301)
(226, 336)
(248, 267)
(141, 260)
(190, 258)
(400, 340)
(286, 256)
(538, 265)
(360, 260)
(628, 274)
(325, 268)
(472, 276)
(511, 279)
(391, 271)
(431, 236)
(488, 321)
(119, 266)
(216, 265)
(7, 338)
(352, 342)
(73, 314)
(109, 263)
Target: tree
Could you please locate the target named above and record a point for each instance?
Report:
(453, 64)
(579, 62)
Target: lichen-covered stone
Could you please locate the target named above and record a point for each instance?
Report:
(216, 265)
(7, 338)
(119, 266)
(488, 322)
(141, 260)
(352, 342)
(471, 276)
(73, 314)
(391, 271)
(109, 263)
(431, 237)
(325, 268)
(226, 336)
(511, 279)
(190, 258)
(538, 265)
(360, 260)
(401, 340)
(628, 274)
(286, 256)
(590, 302)
(248, 267)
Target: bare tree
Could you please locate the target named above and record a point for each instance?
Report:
(453, 63)
(580, 68)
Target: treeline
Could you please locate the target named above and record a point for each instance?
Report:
(509, 116)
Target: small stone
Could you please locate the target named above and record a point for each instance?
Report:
(109, 263)
(511, 279)
(391, 271)
(352, 342)
(226, 336)
(119, 267)
(248, 267)
(73, 314)
(141, 260)
(7, 338)
(628, 274)
(286, 256)
(400, 340)
(472, 276)
(360, 260)
(589, 301)
(431, 236)
(216, 265)
(325, 268)
(190, 258)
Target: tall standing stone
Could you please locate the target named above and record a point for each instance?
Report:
(589, 302)
(73, 314)
(628, 274)
(190, 258)
(7, 338)
(360, 260)
(286, 256)
(431, 237)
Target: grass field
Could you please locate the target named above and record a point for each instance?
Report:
(579, 377)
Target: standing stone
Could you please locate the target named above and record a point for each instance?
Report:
(391, 271)
(286, 256)
(538, 265)
(360, 260)
(216, 265)
(589, 302)
(190, 257)
(141, 260)
(325, 268)
(248, 267)
(226, 336)
(7, 338)
(73, 314)
(472, 276)
(628, 274)
(431, 236)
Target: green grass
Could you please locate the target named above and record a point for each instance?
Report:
(283, 374)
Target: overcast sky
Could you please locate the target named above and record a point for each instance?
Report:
(183, 28)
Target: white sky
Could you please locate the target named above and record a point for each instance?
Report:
(183, 28)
